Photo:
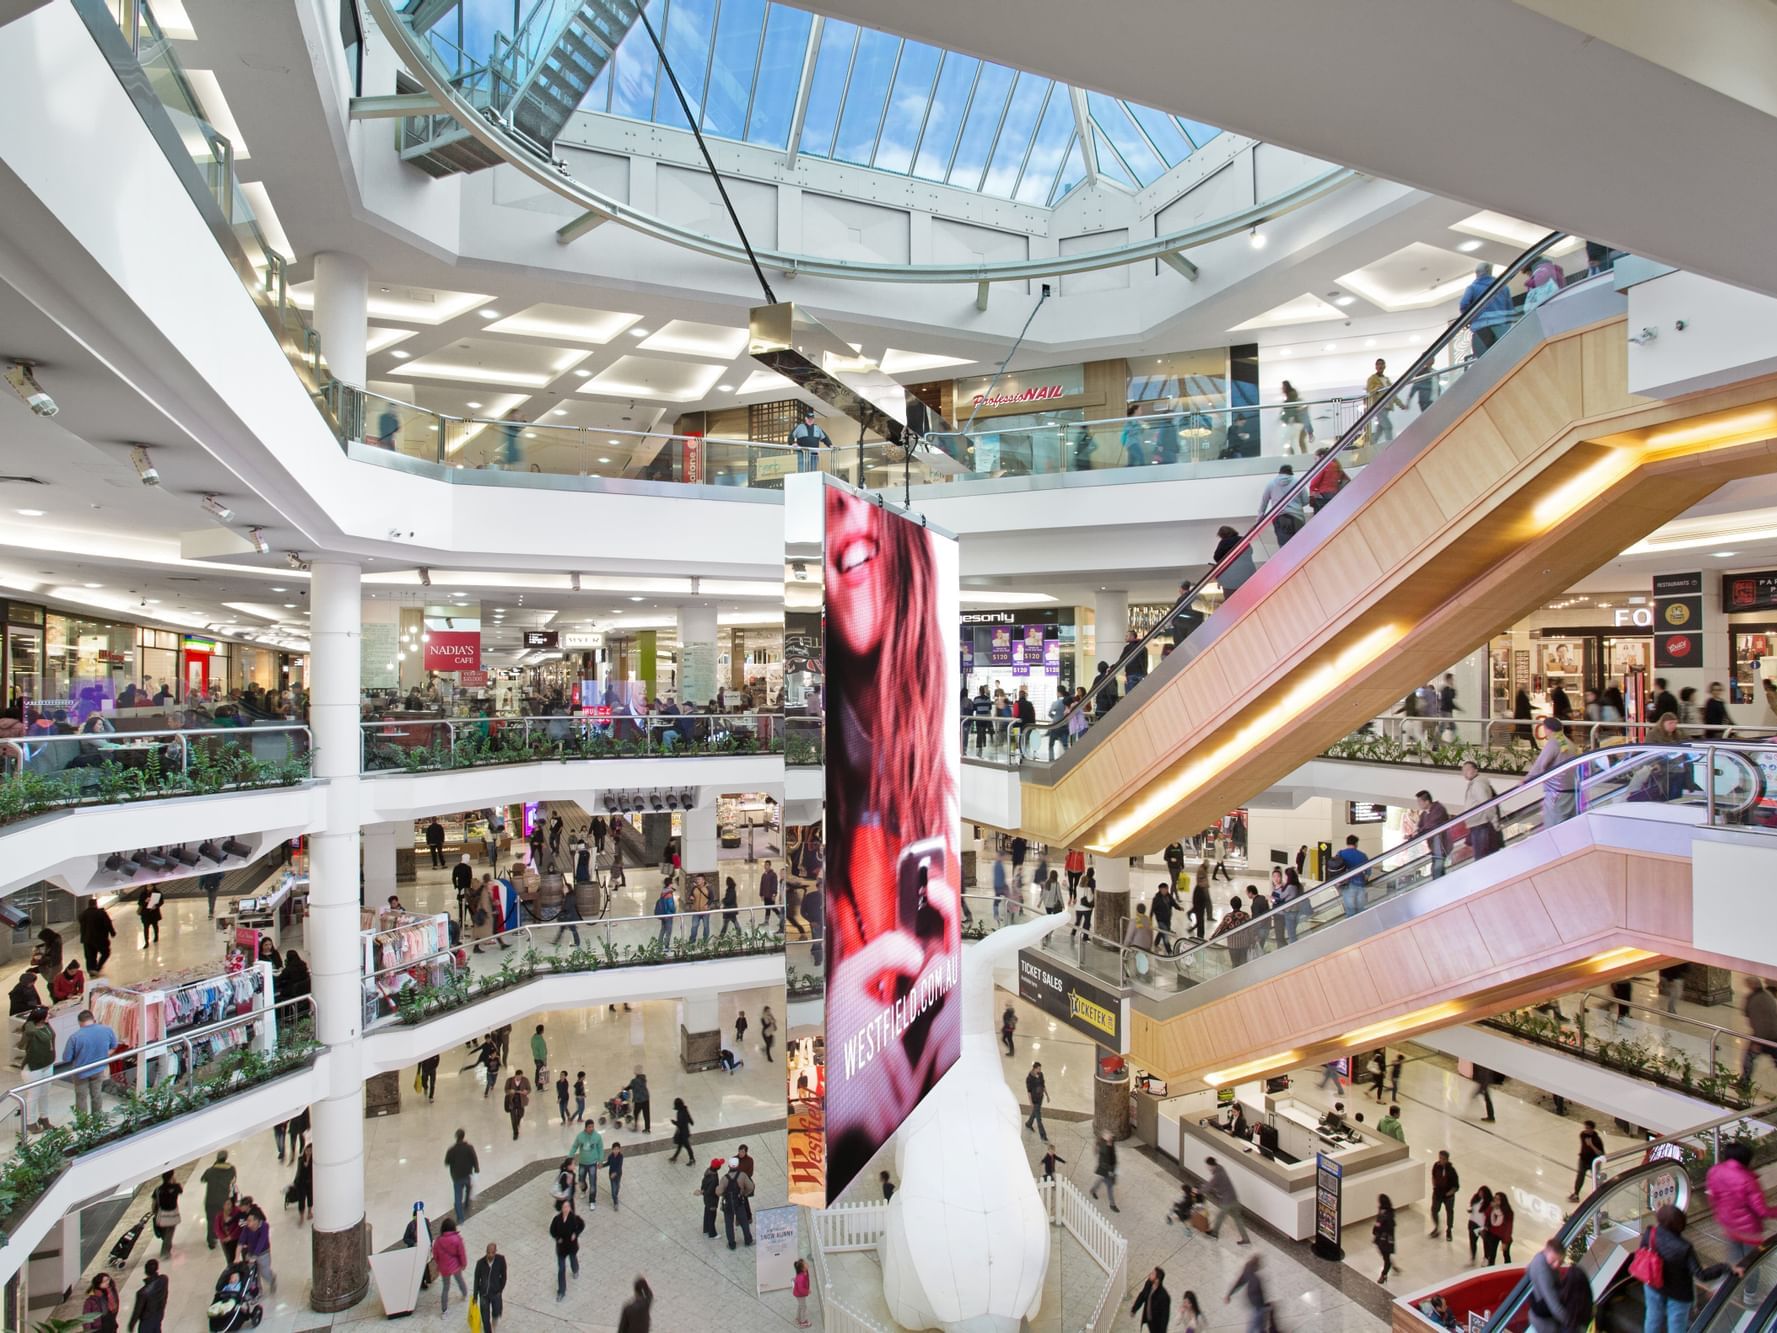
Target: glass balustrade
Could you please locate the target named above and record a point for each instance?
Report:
(1716, 782)
(428, 744)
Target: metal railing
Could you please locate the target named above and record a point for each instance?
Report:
(1728, 782)
(1697, 1068)
(51, 771)
(1695, 1149)
(1300, 503)
(594, 944)
(171, 1069)
(421, 745)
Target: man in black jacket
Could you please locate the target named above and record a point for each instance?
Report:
(490, 1284)
(96, 932)
(151, 1300)
(435, 842)
(1036, 1087)
(1444, 1185)
(1154, 1303)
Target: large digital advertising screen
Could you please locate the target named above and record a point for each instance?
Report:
(892, 873)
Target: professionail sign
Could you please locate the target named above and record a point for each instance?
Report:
(1075, 1001)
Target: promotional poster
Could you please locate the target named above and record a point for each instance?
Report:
(892, 883)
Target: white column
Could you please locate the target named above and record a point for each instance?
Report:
(341, 316)
(697, 846)
(340, 1272)
(380, 844)
(1111, 904)
(697, 657)
(1110, 610)
(700, 1011)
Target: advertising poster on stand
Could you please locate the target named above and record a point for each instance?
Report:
(891, 897)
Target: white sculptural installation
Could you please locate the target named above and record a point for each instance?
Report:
(967, 1242)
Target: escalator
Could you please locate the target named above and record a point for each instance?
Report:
(1743, 1304)
(1589, 880)
(1534, 467)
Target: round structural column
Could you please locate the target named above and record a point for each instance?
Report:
(1110, 906)
(697, 658)
(1110, 615)
(342, 314)
(338, 1239)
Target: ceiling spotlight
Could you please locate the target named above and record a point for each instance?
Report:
(25, 385)
(92, 585)
(425, 577)
(635, 599)
(472, 405)
(489, 313)
(295, 561)
(32, 513)
(257, 537)
(726, 388)
(217, 508)
(638, 333)
(1469, 247)
(583, 374)
(1256, 239)
(144, 466)
(398, 354)
(1344, 299)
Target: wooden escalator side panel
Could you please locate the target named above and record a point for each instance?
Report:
(1483, 525)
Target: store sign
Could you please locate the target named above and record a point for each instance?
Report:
(542, 638)
(1633, 617)
(1035, 394)
(990, 617)
(1329, 1202)
(582, 641)
(1749, 592)
(453, 650)
(472, 680)
(1678, 620)
(1017, 390)
(1080, 1004)
(1365, 812)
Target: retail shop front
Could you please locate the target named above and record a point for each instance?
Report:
(1020, 647)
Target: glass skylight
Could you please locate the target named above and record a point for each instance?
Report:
(883, 102)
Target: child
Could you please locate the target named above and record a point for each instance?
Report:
(614, 1170)
(799, 1289)
(1050, 1158)
(888, 1186)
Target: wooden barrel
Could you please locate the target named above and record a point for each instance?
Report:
(589, 898)
(549, 891)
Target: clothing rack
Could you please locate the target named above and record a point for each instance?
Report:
(164, 1006)
(420, 946)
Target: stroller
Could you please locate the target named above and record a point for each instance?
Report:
(619, 1110)
(237, 1299)
(120, 1252)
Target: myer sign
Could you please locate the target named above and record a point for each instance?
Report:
(581, 641)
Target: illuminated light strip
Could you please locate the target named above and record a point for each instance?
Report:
(1217, 1078)
(1389, 1027)
(1312, 688)
(1718, 431)
(1567, 498)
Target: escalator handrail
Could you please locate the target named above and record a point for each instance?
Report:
(1614, 759)
(1577, 1221)
(1730, 1284)
(1353, 433)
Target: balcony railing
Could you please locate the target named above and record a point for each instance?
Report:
(431, 745)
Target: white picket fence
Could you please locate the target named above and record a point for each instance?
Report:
(860, 1226)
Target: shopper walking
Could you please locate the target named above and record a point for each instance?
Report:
(151, 1300)
(539, 1057)
(490, 1287)
(1106, 1170)
(86, 1050)
(767, 1029)
(730, 908)
(302, 1184)
(1500, 1219)
(166, 1211)
(96, 934)
(1760, 1008)
(1483, 1079)
(256, 1247)
(682, 1123)
(614, 1170)
(435, 842)
(1445, 1182)
(1382, 1234)
(1258, 1307)
(564, 1229)
(462, 1163)
(218, 1180)
(1008, 1025)
(98, 1311)
(562, 1089)
(588, 1152)
(450, 1257)
(638, 1098)
(665, 907)
(1738, 1201)
(428, 1072)
(1591, 1149)
(148, 905)
(799, 1288)
(740, 1028)
(1219, 1190)
(1036, 1087)
(1154, 1303)
(637, 1316)
(1480, 1204)
(1548, 1313)
(518, 1097)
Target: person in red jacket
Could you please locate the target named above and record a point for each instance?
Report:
(450, 1257)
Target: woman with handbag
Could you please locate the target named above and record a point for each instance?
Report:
(1668, 1268)
(166, 1210)
(99, 1309)
(302, 1186)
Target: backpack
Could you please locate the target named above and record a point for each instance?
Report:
(1645, 1265)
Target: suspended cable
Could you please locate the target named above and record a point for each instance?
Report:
(710, 162)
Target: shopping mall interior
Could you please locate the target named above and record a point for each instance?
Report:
(562, 561)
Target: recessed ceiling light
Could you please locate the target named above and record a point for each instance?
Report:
(289, 606)
(1723, 555)
(583, 374)
(280, 590)
(635, 599)
(92, 585)
(1369, 342)
(726, 388)
(398, 354)
(1469, 247)
(473, 405)
(638, 333)
(1329, 347)
(604, 460)
(32, 513)
(153, 601)
(559, 412)
(489, 313)
(1344, 298)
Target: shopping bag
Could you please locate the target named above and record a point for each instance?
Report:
(474, 1315)
(418, 1086)
(1200, 1219)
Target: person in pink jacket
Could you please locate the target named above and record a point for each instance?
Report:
(450, 1257)
(1739, 1204)
(799, 1289)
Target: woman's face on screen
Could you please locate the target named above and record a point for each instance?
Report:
(855, 589)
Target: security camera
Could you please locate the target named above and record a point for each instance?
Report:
(24, 383)
(145, 468)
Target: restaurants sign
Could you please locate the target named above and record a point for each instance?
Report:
(453, 650)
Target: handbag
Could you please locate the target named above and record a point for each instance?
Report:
(165, 1219)
(1645, 1265)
